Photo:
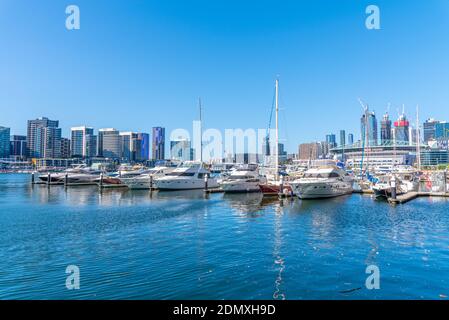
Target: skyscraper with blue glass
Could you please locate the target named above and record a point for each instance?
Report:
(4, 142)
(368, 126)
(158, 143)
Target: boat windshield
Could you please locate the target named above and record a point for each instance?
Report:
(181, 174)
(321, 175)
(237, 177)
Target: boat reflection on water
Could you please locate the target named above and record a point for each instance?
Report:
(179, 194)
(252, 202)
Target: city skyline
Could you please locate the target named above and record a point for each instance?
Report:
(168, 55)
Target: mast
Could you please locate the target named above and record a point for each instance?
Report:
(277, 132)
(418, 139)
(201, 130)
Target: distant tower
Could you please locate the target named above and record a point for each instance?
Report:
(342, 137)
(331, 140)
(401, 128)
(429, 127)
(266, 146)
(158, 143)
(385, 129)
(350, 139)
(371, 121)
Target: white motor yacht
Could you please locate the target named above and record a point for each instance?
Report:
(243, 179)
(146, 180)
(189, 175)
(323, 182)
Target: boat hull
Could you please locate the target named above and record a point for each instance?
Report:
(240, 187)
(316, 190)
(274, 189)
(184, 184)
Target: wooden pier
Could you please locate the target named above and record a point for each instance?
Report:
(409, 196)
(214, 190)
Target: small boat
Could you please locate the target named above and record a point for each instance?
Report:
(275, 189)
(323, 182)
(188, 176)
(245, 178)
(146, 180)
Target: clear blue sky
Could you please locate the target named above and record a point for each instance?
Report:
(138, 64)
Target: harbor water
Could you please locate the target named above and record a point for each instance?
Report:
(131, 244)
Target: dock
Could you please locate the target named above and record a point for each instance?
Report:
(214, 190)
(409, 196)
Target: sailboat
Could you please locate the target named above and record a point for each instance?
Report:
(276, 186)
(190, 174)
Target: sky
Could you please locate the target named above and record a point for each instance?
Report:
(138, 64)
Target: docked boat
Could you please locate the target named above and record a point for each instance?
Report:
(273, 188)
(323, 182)
(77, 173)
(243, 179)
(189, 175)
(405, 182)
(146, 180)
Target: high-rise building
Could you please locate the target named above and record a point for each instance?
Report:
(4, 142)
(18, 146)
(158, 143)
(65, 148)
(131, 146)
(34, 150)
(181, 149)
(342, 137)
(429, 128)
(109, 143)
(401, 130)
(331, 140)
(350, 139)
(144, 139)
(385, 129)
(442, 131)
(47, 142)
(83, 142)
(266, 146)
(369, 119)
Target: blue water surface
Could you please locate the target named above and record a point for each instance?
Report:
(183, 245)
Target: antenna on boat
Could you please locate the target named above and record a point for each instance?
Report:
(201, 129)
(277, 131)
(418, 139)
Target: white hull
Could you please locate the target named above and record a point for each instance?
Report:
(315, 190)
(184, 183)
(234, 186)
(139, 185)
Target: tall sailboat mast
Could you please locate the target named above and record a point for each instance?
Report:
(418, 139)
(277, 132)
(201, 130)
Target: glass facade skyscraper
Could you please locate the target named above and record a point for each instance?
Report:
(181, 150)
(144, 139)
(385, 129)
(442, 131)
(331, 140)
(342, 137)
(109, 143)
(158, 143)
(35, 150)
(47, 142)
(429, 128)
(401, 129)
(4, 142)
(18, 146)
(83, 142)
(350, 139)
(369, 119)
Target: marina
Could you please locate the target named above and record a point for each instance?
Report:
(137, 244)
